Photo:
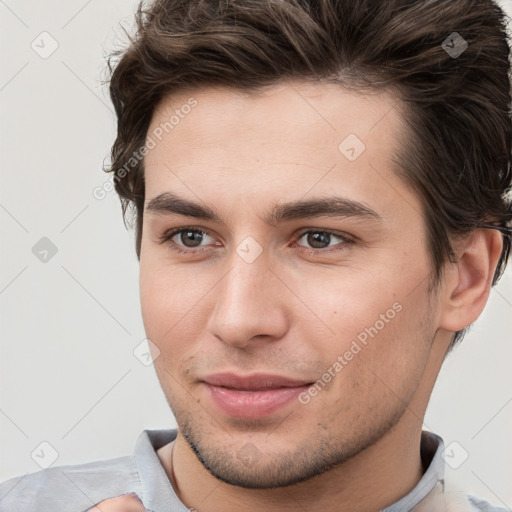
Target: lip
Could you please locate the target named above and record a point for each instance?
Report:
(254, 382)
(252, 396)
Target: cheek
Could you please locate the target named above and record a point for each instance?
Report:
(395, 353)
(349, 307)
(375, 326)
(375, 378)
(160, 302)
(164, 312)
(172, 303)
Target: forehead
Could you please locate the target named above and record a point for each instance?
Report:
(287, 112)
(288, 140)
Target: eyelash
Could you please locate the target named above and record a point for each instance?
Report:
(169, 235)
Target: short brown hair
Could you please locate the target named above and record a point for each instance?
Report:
(457, 156)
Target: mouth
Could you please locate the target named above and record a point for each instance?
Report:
(252, 396)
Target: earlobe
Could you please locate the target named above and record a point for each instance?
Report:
(468, 290)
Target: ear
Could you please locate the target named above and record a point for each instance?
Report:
(469, 282)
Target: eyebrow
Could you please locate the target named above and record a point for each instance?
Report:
(331, 206)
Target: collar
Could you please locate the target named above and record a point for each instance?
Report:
(431, 451)
(159, 495)
(157, 492)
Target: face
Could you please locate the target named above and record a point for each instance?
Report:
(293, 331)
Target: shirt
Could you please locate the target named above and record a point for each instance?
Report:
(79, 487)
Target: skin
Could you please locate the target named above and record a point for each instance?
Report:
(125, 503)
(354, 446)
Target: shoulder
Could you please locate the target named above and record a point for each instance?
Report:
(450, 496)
(480, 505)
(458, 499)
(79, 485)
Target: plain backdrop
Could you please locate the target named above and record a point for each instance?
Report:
(70, 324)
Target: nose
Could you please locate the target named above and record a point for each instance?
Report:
(250, 302)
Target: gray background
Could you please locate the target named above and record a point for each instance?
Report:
(69, 325)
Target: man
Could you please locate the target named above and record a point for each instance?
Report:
(320, 195)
